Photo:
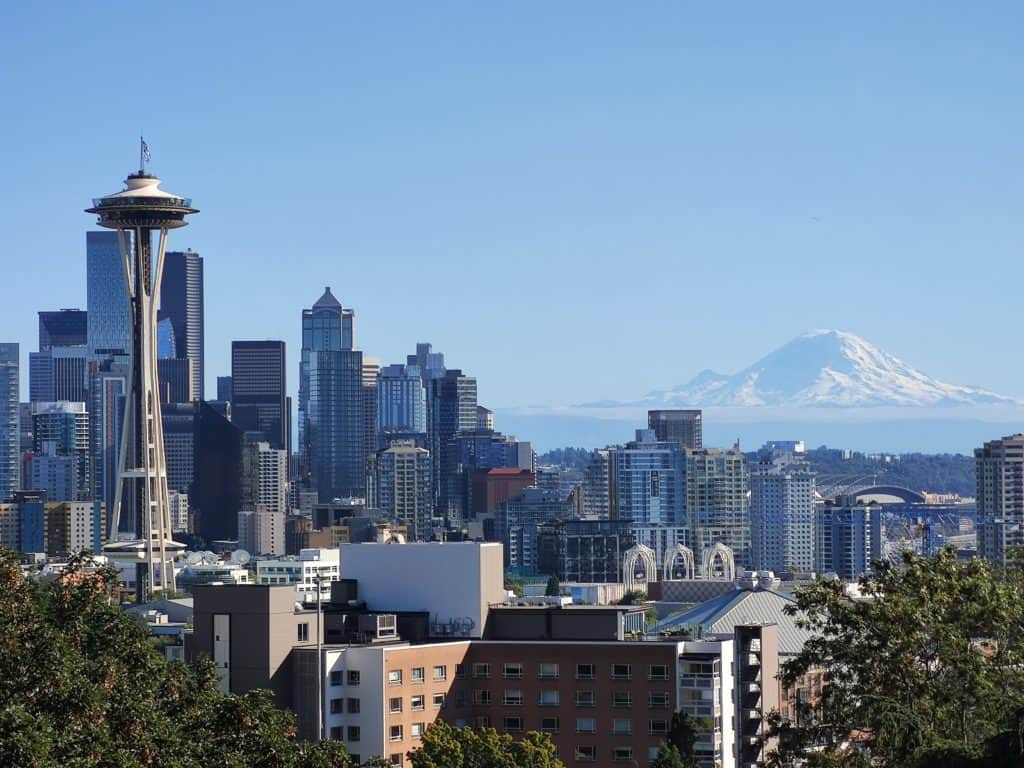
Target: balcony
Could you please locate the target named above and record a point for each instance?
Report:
(752, 660)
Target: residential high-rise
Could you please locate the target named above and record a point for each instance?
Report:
(517, 520)
(181, 302)
(265, 477)
(597, 486)
(137, 213)
(451, 409)
(10, 411)
(108, 314)
(258, 390)
(782, 516)
(848, 536)
(326, 327)
(999, 471)
(261, 531)
(371, 372)
(403, 487)
(108, 386)
(60, 465)
(716, 502)
(401, 399)
(682, 427)
(647, 477)
(484, 418)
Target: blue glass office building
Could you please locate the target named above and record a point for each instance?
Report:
(108, 319)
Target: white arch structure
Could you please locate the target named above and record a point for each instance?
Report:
(722, 555)
(683, 553)
(634, 555)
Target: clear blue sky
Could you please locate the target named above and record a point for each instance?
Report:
(573, 201)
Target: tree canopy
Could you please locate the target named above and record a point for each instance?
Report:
(448, 747)
(926, 670)
(82, 684)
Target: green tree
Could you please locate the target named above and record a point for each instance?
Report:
(669, 756)
(82, 685)
(513, 585)
(634, 597)
(446, 747)
(926, 670)
(554, 588)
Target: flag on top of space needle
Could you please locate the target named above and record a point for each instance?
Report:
(145, 150)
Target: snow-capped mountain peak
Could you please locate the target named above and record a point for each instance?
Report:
(824, 368)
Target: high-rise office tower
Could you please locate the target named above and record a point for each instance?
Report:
(179, 445)
(264, 477)
(60, 464)
(224, 389)
(336, 424)
(181, 302)
(782, 516)
(401, 400)
(717, 507)
(848, 535)
(108, 387)
(326, 327)
(682, 427)
(484, 418)
(108, 313)
(10, 411)
(999, 471)
(63, 328)
(137, 213)
(518, 519)
(258, 390)
(647, 478)
(597, 486)
(216, 495)
(403, 487)
(451, 409)
(430, 363)
(371, 371)
(176, 380)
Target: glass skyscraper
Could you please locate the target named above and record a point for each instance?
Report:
(401, 400)
(181, 303)
(336, 424)
(259, 392)
(10, 417)
(108, 321)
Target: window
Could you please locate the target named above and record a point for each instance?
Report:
(395, 733)
(513, 723)
(336, 732)
(460, 670)
(438, 700)
(548, 699)
(548, 672)
(586, 725)
(418, 675)
(417, 730)
(657, 727)
(337, 678)
(657, 672)
(482, 721)
(303, 631)
(584, 671)
(549, 724)
(417, 702)
(460, 698)
(622, 699)
(585, 699)
(657, 700)
(353, 733)
(440, 673)
(353, 677)
(481, 697)
(622, 672)
(395, 705)
(481, 670)
(622, 754)
(586, 754)
(353, 706)
(622, 726)
(395, 677)
(512, 698)
(336, 705)
(511, 671)
(395, 760)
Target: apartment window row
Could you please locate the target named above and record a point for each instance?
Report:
(338, 706)
(587, 753)
(655, 699)
(418, 674)
(338, 677)
(417, 703)
(397, 732)
(550, 671)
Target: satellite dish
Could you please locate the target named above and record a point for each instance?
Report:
(208, 557)
(240, 557)
(194, 558)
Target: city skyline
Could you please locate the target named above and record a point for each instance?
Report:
(685, 143)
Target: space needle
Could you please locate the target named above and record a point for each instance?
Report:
(138, 212)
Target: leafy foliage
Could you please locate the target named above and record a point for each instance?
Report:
(634, 597)
(515, 586)
(82, 685)
(928, 670)
(448, 747)
(553, 588)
